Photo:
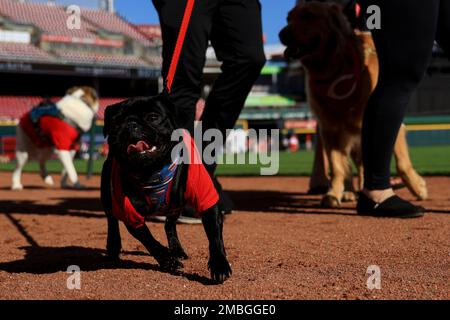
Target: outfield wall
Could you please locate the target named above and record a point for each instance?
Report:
(422, 131)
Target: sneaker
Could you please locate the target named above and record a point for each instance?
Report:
(181, 220)
(189, 220)
(188, 216)
(156, 218)
(393, 207)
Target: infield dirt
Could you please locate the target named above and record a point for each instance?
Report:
(280, 243)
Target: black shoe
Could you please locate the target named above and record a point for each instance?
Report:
(393, 207)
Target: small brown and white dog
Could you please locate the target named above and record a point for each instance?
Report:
(342, 71)
(55, 127)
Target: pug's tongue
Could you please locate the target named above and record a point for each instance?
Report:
(140, 146)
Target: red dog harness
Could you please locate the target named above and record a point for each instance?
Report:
(200, 192)
(53, 132)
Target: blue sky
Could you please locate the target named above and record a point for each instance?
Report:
(274, 14)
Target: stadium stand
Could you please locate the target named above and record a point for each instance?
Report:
(23, 52)
(104, 38)
(13, 107)
(96, 58)
(151, 31)
(51, 19)
(112, 22)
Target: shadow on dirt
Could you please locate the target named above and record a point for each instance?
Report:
(46, 260)
(71, 207)
(50, 189)
(293, 203)
(282, 202)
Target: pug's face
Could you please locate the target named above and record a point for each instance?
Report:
(314, 31)
(139, 133)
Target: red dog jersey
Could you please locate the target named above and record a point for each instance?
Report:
(200, 192)
(56, 132)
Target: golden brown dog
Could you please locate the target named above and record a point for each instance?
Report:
(342, 71)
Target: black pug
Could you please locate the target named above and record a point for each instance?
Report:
(140, 178)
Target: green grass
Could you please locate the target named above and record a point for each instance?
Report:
(430, 160)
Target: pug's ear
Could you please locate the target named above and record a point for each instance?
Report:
(113, 114)
(172, 112)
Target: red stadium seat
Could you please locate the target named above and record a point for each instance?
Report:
(50, 18)
(112, 22)
(13, 107)
(96, 58)
(22, 51)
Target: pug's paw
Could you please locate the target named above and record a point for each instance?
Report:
(167, 261)
(220, 268)
(179, 253)
(113, 247)
(170, 264)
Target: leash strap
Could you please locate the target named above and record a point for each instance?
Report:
(179, 43)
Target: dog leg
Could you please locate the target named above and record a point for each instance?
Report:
(415, 183)
(338, 157)
(172, 239)
(357, 160)
(66, 158)
(319, 181)
(113, 243)
(349, 187)
(21, 160)
(64, 176)
(156, 249)
(43, 156)
(218, 264)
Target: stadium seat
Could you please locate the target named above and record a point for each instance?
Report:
(112, 22)
(50, 18)
(13, 107)
(103, 59)
(22, 51)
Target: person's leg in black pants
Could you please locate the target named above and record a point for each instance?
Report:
(186, 87)
(404, 45)
(443, 31)
(235, 30)
(238, 42)
(237, 39)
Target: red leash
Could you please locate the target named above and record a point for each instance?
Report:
(179, 43)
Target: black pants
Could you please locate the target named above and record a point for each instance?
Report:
(234, 29)
(404, 45)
